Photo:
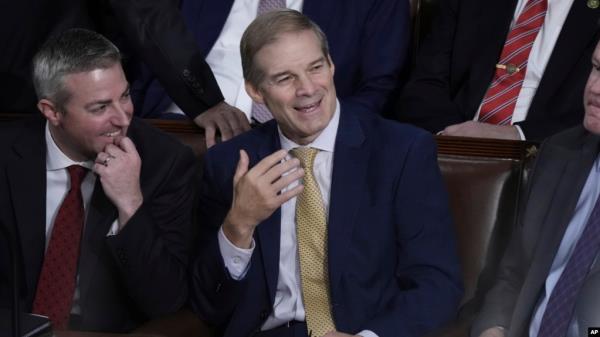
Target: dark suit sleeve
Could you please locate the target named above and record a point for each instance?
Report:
(159, 35)
(213, 293)
(382, 55)
(500, 301)
(426, 100)
(428, 272)
(151, 251)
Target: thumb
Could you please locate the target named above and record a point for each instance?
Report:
(242, 167)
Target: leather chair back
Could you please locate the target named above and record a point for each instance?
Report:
(484, 180)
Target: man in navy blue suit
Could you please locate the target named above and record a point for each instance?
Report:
(384, 260)
(368, 42)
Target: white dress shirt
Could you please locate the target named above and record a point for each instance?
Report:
(288, 304)
(225, 60)
(57, 187)
(540, 54)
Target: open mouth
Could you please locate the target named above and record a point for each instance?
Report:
(308, 108)
(112, 134)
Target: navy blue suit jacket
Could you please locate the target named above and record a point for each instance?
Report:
(393, 267)
(368, 41)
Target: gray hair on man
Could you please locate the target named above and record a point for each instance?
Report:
(71, 51)
(265, 29)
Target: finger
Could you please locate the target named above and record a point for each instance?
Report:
(209, 134)
(289, 194)
(267, 162)
(113, 150)
(224, 128)
(242, 167)
(100, 157)
(126, 144)
(99, 169)
(103, 158)
(280, 169)
(243, 121)
(286, 180)
(230, 117)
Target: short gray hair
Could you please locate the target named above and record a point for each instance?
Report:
(72, 51)
(265, 30)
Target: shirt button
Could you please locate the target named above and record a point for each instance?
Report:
(236, 260)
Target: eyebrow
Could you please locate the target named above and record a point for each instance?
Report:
(105, 101)
(320, 59)
(99, 102)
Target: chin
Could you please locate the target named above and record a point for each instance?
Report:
(592, 124)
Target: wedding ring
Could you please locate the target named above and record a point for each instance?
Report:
(107, 159)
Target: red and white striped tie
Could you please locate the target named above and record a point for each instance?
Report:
(501, 97)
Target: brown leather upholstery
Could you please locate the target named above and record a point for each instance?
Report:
(485, 180)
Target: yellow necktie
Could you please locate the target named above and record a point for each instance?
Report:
(311, 228)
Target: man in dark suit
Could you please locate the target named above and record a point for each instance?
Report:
(549, 265)
(153, 31)
(368, 41)
(457, 62)
(101, 203)
(363, 246)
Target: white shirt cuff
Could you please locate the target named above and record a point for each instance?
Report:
(236, 259)
(367, 333)
(521, 134)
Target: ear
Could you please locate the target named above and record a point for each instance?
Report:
(331, 65)
(254, 93)
(50, 111)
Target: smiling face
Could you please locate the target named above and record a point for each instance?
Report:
(297, 86)
(591, 96)
(98, 109)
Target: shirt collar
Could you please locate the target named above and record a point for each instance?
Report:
(324, 142)
(56, 159)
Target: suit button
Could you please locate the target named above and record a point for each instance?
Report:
(218, 289)
(186, 73)
(264, 314)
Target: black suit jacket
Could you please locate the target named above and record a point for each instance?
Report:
(457, 61)
(561, 170)
(125, 279)
(152, 30)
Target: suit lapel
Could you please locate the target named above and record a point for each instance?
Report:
(560, 212)
(27, 179)
(350, 162)
(268, 232)
(493, 27)
(100, 216)
(578, 32)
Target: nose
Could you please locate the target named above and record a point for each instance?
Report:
(305, 86)
(594, 82)
(122, 114)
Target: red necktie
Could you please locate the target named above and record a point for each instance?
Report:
(499, 101)
(56, 286)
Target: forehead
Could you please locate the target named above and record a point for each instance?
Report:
(289, 50)
(97, 83)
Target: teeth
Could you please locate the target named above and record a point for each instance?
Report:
(112, 134)
(308, 107)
